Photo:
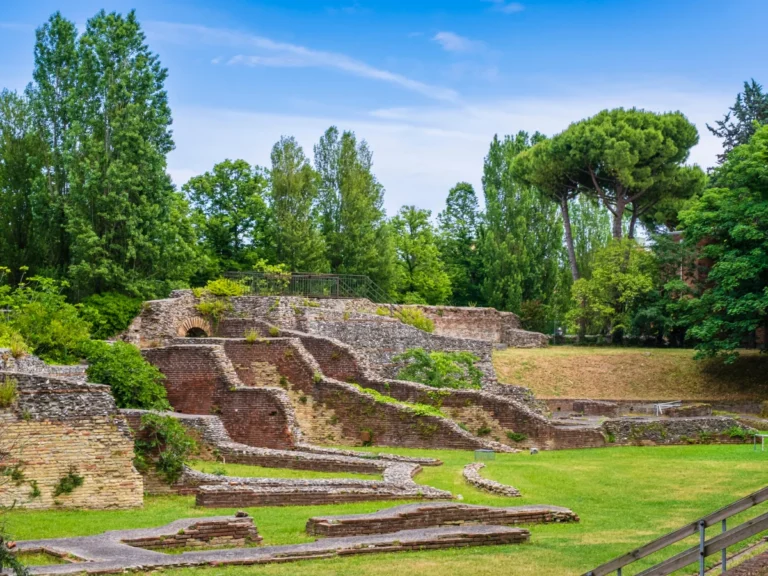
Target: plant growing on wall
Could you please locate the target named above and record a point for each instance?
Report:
(68, 482)
(416, 318)
(439, 369)
(163, 444)
(8, 392)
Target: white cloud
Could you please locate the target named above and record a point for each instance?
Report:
(420, 153)
(506, 7)
(452, 42)
(290, 55)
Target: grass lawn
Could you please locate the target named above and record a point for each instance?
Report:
(245, 471)
(631, 373)
(625, 497)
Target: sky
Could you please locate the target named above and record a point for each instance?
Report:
(426, 83)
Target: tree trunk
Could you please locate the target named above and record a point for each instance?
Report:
(618, 217)
(632, 223)
(569, 237)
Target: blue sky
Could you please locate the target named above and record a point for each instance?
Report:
(427, 83)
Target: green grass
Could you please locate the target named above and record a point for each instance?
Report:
(625, 497)
(246, 471)
(39, 559)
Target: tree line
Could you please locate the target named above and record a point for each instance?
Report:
(86, 199)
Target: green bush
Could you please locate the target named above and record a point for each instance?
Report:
(163, 444)
(737, 432)
(68, 483)
(39, 313)
(10, 338)
(440, 369)
(517, 436)
(225, 287)
(416, 318)
(109, 313)
(135, 382)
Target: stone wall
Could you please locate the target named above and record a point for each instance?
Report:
(653, 431)
(213, 532)
(648, 406)
(57, 426)
(200, 379)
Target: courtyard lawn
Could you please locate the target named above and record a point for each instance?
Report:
(246, 471)
(631, 373)
(625, 497)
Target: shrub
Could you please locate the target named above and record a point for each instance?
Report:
(517, 436)
(163, 443)
(8, 392)
(440, 369)
(416, 318)
(39, 313)
(213, 309)
(68, 483)
(135, 383)
(415, 408)
(225, 287)
(251, 336)
(484, 430)
(274, 331)
(383, 311)
(736, 432)
(109, 313)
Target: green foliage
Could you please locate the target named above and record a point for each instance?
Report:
(351, 212)
(739, 124)
(622, 277)
(413, 407)
(522, 244)
(414, 317)
(230, 213)
(737, 432)
(459, 234)
(294, 191)
(40, 315)
(225, 288)
(68, 483)
(109, 313)
(135, 383)
(420, 275)
(8, 392)
(163, 444)
(11, 339)
(251, 336)
(517, 436)
(274, 331)
(440, 369)
(729, 225)
(484, 430)
(10, 559)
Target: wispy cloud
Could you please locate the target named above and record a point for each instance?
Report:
(452, 42)
(284, 54)
(506, 7)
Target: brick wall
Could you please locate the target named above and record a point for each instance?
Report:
(201, 380)
(57, 426)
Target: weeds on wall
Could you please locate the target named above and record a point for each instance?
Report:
(215, 298)
(416, 318)
(440, 369)
(8, 392)
(68, 483)
(415, 408)
(163, 444)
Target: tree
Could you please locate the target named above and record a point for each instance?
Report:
(729, 225)
(738, 125)
(129, 229)
(629, 157)
(298, 241)
(52, 96)
(421, 277)
(351, 208)
(522, 247)
(591, 232)
(22, 231)
(231, 213)
(459, 237)
(623, 275)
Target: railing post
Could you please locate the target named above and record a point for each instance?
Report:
(723, 554)
(618, 572)
(702, 539)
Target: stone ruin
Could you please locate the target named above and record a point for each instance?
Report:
(274, 383)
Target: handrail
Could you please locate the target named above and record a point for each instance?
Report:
(311, 285)
(699, 525)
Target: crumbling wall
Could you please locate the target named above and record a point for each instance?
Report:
(58, 426)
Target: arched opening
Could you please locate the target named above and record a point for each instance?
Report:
(196, 332)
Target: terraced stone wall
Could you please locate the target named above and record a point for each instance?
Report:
(57, 427)
(200, 379)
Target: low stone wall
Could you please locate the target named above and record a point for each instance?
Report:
(648, 406)
(654, 431)
(411, 516)
(471, 474)
(237, 531)
(200, 379)
(30, 364)
(596, 408)
(57, 427)
(689, 410)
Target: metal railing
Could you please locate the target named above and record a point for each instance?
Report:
(705, 547)
(311, 285)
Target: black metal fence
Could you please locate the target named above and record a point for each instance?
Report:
(311, 285)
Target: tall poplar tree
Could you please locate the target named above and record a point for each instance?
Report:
(128, 226)
(459, 236)
(351, 208)
(299, 243)
(522, 249)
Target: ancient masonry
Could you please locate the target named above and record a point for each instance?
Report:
(410, 527)
(61, 428)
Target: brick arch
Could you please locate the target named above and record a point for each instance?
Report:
(194, 322)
